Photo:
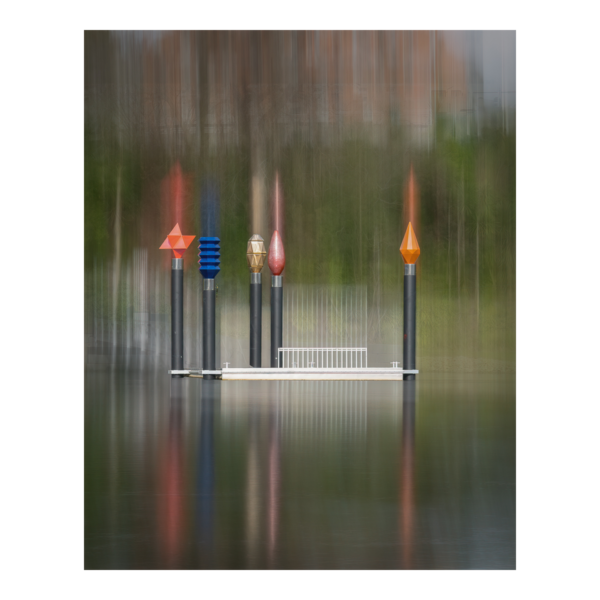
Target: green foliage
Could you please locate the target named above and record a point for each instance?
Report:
(344, 221)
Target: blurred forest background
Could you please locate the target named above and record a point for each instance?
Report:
(350, 135)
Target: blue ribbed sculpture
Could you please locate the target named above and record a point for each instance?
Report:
(210, 257)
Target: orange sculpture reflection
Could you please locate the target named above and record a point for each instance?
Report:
(173, 516)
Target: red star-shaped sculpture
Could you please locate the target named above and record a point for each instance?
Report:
(177, 242)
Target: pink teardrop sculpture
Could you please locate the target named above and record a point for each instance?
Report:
(276, 254)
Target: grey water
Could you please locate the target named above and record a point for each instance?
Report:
(193, 474)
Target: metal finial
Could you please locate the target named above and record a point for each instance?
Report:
(256, 253)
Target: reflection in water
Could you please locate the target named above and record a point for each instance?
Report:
(253, 490)
(299, 416)
(323, 410)
(407, 476)
(286, 475)
(205, 483)
(172, 510)
(274, 471)
(174, 520)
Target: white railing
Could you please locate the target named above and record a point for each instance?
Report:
(323, 358)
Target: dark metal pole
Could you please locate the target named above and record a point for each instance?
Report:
(208, 327)
(177, 315)
(410, 319)
(276, 318)
(209, 268)
(255, 319)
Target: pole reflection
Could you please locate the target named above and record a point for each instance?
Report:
(263, 479)
(407, 476)
(172, 519)
(310, 475)
(274, 472)
(205, 481)
(253, 491)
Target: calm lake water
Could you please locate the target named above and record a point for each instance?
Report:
(188, 474)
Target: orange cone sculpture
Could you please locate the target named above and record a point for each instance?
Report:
(410, 252)
(179, 244)
(409, 248)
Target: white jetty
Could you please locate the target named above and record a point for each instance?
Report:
(309, 364)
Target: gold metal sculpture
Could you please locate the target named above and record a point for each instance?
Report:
(256, 253)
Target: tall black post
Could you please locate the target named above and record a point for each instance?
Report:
(255, 319)
(255, 254)
(177, 243)
(276, 264)
(208, 327)
(276, 318)
(210, 260)
(177, 315)
(209, 268)
(410, 319)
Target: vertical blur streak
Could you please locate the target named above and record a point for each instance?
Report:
(278, 207)
(274, 474)
(140, 290)
(258, 192)
(172, 525)
(101, 332)
(411, 203)
(252, 492)
(116, 268)
(205, 511)
(210, 209)
(113, 463)
(407, 475)
(96, 304)
(157, 328)
(174, 187)
(129, 324)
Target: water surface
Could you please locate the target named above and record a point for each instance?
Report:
(188, 474)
